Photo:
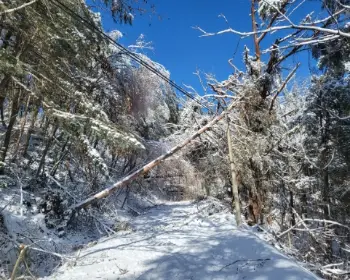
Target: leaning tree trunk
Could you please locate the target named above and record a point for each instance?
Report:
(146, 168)
(235, 201)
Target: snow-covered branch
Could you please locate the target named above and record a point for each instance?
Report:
(275, 28)
(18, 8)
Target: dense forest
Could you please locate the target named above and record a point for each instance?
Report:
(89, 126)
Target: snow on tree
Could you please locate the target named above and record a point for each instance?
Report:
(278, 173)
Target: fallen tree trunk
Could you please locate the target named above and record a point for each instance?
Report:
(149, 166)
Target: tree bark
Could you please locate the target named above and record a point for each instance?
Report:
(23, 123)
(48, 145)
(30, 131)
(256, 196)
(326, 199)
(3, 86)
(256, 38)
(291, 204)
(60, 158)
(13, 116)
(235, 201)
(2, 100)
(325, 156)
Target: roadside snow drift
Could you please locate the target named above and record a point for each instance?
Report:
(183, 241)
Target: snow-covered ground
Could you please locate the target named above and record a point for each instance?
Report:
(182, 240)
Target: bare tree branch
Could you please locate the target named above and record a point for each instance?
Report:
(291, 74)
(342, 5)
(308, 26)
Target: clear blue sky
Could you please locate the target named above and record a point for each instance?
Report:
(178, 46)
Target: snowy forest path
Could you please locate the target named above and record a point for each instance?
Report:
(183, 240)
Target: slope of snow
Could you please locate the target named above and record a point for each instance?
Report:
(183, 240)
